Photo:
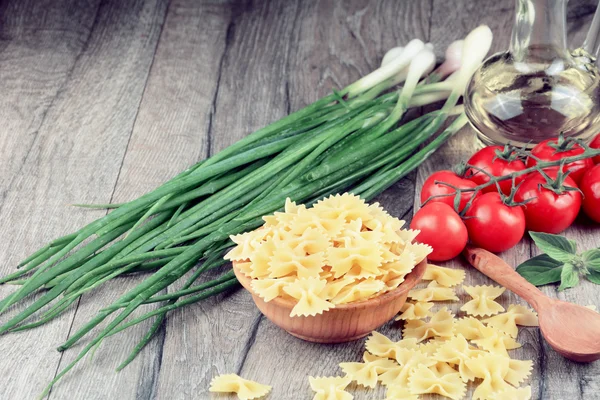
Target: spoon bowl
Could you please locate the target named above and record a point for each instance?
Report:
(572, 330)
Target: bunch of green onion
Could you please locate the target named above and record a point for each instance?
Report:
(347, 141)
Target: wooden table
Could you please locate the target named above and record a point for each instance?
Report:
(102, 100)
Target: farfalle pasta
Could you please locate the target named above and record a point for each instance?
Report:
(441, 324)
(417, 310)
(446, 277)
(508, 321)
(428, 380)
(244, 388)
(483, 300)
(442, 355)
(330, 388)
(339, 251)
(433, 292)
(366, 373)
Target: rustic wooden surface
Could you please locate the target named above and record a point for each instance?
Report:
(102, 100)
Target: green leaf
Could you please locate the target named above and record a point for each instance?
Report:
(558, 247)
(591, 259)
(568, 277)
(594, 276)
(541, 270)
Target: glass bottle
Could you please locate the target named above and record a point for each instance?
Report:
(538, 88)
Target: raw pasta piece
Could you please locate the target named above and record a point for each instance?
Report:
(312, 241)
(330, 388)
(425, 380)
(245, 267)
(408, 360)
(492, 368)
(343, 206)
(456, 351)
(334, 287)
(511, 393)
(309, 219)
(268, 289)
(359, 291)
(246, 244)
(446, 277)
(395, 271)
(483, 300)
(382, 346)
(473, 329)
(387, 254)
(441, 324)
(433, 292)
(285, 261)
(407, 236)
(232, 383)
(358, 252)
(366, 373)
(399, 392)
(420, 250)
(418, 310)
(431, 346)
(309, 293)
(261, 258)
(508, 321)
(496, 341)
(518, 371)
(285, 218)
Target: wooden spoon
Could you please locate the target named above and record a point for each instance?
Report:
(572, 330)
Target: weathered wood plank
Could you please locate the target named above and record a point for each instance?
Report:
(109, 87)
(41, 46)
(336, 43)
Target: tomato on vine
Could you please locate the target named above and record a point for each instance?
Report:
(590, 186)
(496, 161)
(444, 192)
(557, 149)
(552, 202)
(595, 144)
(442, 229)
(494, 225)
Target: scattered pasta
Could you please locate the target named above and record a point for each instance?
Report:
(244, 388)
(418, 310)
(446, 277)
(483, 300)
(433, 292)
(339, 251)
(330, 388)
(441, 324)
(508, 321)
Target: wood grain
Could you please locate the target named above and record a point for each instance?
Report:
(123, 52)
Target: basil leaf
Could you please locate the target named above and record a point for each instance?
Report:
(541, 270)
(568, 277)
(558, 247)
(594, 276)
(591, 259)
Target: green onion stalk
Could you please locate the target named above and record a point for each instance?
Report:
(351, 140)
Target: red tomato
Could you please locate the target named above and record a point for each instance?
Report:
(430, 188)
(442, 229)
(491, 160)
(595, 144)
(590, 186)
(549, 211)
(547, 151)
(494, 225)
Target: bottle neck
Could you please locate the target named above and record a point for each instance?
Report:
(539, 34)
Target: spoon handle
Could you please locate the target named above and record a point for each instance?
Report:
(495, 268)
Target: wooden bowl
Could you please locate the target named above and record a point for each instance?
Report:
(345, 322)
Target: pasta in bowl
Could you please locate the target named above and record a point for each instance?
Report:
(332, 272)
